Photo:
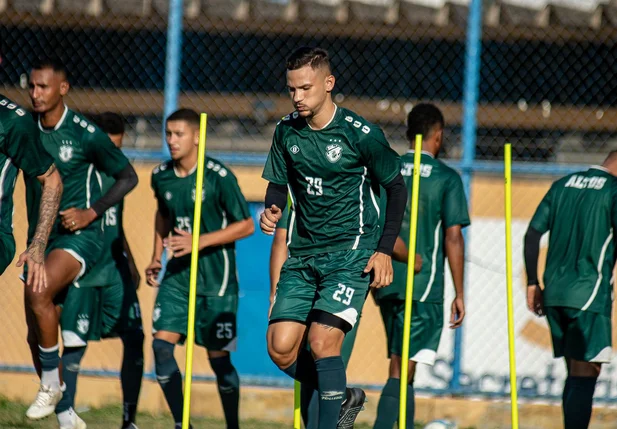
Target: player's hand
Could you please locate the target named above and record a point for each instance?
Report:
(180, 244)
(535, 301)
(417, 264)
(458, 313)
(269, 218)
(75, 219)
(152, 273)
(381, 266)
(34, 258)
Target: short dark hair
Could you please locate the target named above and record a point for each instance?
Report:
(188, 115)
(423, 119)
(54, 63)
(314, 57)
(110, 123)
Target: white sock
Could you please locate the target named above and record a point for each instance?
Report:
(51, 378)
(66, 418)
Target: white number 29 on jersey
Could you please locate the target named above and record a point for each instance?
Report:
(315, 186)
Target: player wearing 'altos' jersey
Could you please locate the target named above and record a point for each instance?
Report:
(80, 150)
(225, 219)
(332, 161)
(580, 212)
(20, 148)
(442, 213)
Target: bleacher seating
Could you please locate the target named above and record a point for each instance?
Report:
(424, 11)
(323, 10)
(377, 11)
(129, 7)
(80, 7)
(192, 8)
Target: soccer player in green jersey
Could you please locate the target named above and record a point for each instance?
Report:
(332, 161)
(107, 294)
(80, 150)
(580, 212)
(20, 148)
(442, 216)
(225, 220)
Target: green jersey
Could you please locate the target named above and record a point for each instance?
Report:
(79, 149)
(580, 211)
(20, 148)
(333, 175)
(104, 272)
(223, 203)
(441, 205)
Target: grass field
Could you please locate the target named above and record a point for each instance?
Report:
(12, 416)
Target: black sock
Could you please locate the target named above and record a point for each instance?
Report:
(71, 360)
(411, 405)
(332, 382)
(131, 374)
(303, 369)
(577, 404)
(229, 388)
(388, 407)
(169, 377)
(309, 406)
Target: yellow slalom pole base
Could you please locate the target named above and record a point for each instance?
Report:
(411, 258)
(297, 414)
(190, 331)
(508, 216)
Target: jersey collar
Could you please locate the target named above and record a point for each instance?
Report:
(599, 167)
(423, 153)
(191, 171)
(329, 122)
(58, 125)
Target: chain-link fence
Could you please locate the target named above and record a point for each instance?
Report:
(546, 84)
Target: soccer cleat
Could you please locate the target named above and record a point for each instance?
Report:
(352, 405)
(77, 423)
(45, 403)
(129, 426)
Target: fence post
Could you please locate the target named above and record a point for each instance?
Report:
(173, 58)
(473, 49)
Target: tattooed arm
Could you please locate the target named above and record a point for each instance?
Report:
(34, 256)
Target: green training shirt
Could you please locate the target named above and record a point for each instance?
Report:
(79, 149)
(441, 205)
(20, 148)
(333, 175)
(223, 203)
(580, 212)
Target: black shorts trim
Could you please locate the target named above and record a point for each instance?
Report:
(329, 319)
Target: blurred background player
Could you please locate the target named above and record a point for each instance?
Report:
(225, 219)
(442, 216)
(107, 295)
(21, 148)
(79, 150)
(580, 211)
(331, 159)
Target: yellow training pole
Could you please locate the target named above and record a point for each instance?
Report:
(297, 414)
(508, 208)
(190, 328)
(411, 258)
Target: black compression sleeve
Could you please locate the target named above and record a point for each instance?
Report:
(277, 195)
(126, 180)
(532, 251)
(396, 193)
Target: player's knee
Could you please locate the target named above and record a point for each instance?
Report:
(164, 362)
(324, 345)
(585, 369)
(282, 354)
(226, 374)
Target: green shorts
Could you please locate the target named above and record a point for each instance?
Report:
(215, 317)
(580, 335)
(426, 327)
(325, 285)
(92, 313)
(7, 244)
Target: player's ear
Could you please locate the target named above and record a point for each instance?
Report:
(330, 80)
(64, 88)
(196, 137)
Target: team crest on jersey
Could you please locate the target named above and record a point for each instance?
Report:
(334, 152)
(203, 194)
(295, 149)
(66, 152)
(168, 196)
(156, 314)
(83, 323)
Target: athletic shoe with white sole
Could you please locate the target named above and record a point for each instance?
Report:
(45, 403)
(75, 422)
